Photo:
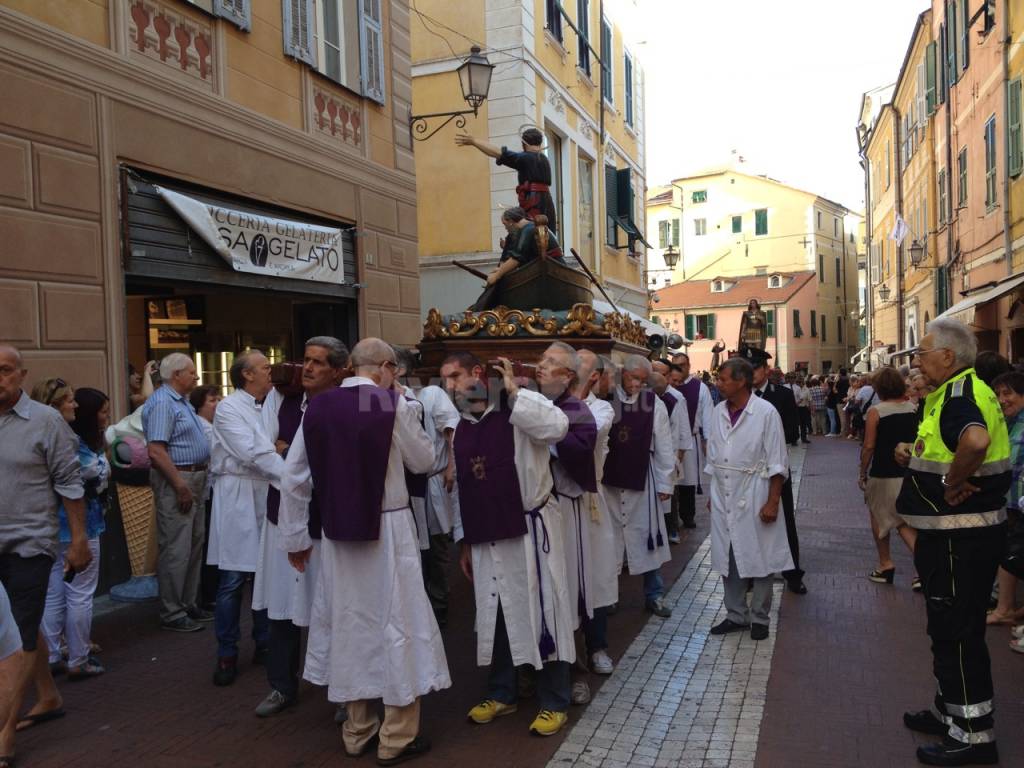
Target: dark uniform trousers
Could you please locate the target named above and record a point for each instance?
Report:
(957, 569)
(283, 657)
(788, 513)
(684, 500)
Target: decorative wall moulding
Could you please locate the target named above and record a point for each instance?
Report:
(159, 33)
(337, 118)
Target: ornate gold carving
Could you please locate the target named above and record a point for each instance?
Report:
(502, 322)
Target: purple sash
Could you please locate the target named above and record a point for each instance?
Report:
(629, 443)
(485, 464)
(669, 401)
(348, 434)
(691, 391)
(576, 449)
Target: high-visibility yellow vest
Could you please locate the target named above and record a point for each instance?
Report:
(922, 502)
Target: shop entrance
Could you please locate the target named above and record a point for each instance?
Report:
(181, 296)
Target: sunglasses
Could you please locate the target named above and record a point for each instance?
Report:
(55, 386)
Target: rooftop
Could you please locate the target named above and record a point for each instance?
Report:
(738, 293)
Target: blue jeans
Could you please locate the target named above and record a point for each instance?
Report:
(654, 587)
(228, 611)
(833, 421)
(553, 681)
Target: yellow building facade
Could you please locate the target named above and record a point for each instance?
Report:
(883, 267)
(918, 190)
(547, 75)
(291, 112)
(727, 223)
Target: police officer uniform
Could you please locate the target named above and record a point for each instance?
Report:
(957, 553)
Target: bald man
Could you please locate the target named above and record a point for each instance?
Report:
(372, 631)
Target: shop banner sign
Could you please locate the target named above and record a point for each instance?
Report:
(263, 245)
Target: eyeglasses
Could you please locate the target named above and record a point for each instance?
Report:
(388, 363)
(920, 352)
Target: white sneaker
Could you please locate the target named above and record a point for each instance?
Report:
(1018, 631)
(601, 663)
(580, 693)
(1017, 645)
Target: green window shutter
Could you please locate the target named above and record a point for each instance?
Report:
(770, 322)
(1016, 136)
(797, 330)
(761, 221)
(737, 224)
(662, 234)
(929, 58)
(965, 31)
(675, 232)
(814, 323)
(952, 71)
(711, 325)
(689, 327)
(623, 194)
(824, 330)
(940, 65)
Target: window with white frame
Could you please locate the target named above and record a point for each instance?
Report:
(627, 77)
(991, 197)
(700, 227)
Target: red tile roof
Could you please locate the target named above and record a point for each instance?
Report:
(698, 293)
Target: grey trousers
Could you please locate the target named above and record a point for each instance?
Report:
(179, 540)
(736, 596)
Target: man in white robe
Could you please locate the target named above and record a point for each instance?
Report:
(244, 461)
(435, 510)
(638, 487)
(682, 442)
(510, 537)
(747, 465)
(596, 382)
(700, 404)
(285, 593)
(372, 632)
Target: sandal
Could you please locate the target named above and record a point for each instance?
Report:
(91, 668)
(915, 584)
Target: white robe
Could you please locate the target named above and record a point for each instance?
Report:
(506, 571)
(682, 433)
(372, 632)
(244, 463)
(604, 583)
(282, 591)
(440, 414)
(693, 461)
(640, 515)
(741, 462)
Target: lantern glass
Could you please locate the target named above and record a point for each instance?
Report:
(916, 253)
(671, 257)
(475, 77)
(883, 293)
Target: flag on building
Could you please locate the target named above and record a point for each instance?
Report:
(899, 232)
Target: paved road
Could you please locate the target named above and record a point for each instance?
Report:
(827, 689)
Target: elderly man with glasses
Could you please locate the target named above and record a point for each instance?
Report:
(954, 495)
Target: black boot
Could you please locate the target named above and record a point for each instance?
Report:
(952, 752)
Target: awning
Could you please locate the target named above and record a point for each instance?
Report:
(908, 352)
(859, 356)
(964, 310)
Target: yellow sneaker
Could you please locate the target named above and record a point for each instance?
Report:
(548, 723)
(488, 709)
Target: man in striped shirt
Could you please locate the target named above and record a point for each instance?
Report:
(180, 453)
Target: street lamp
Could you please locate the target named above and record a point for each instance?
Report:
(475, 79)
(883, 293)
(671, 256)
(916, 253)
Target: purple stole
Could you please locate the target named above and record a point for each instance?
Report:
(629, 443)
(417, 484)
(485, 464)
(669, 401)
(691, 391)
(576, 449)
(348, 434)
(288, 420)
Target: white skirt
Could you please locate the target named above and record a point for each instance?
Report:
(282, 591)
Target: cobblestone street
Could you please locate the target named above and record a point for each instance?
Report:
(826, 689)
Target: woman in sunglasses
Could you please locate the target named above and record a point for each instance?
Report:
(57, 394)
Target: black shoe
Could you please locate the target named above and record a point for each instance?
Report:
(806, 442)
(415, 748)
(925, 721)
(726, 626)
(796, 586)
(201, 615)
(184, 624)
(226, 672)
(689, 524)
(952, 752)
(259, 656)
(658, 608)
(883, 577)
(758, 631)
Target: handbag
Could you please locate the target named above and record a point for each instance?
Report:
(1013, 559)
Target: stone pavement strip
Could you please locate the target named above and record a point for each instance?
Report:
(680, 696)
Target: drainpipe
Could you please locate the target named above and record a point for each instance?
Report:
(950, 255)
(897, 118)
(868, 222)
(1007, 233)
(846, 307)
